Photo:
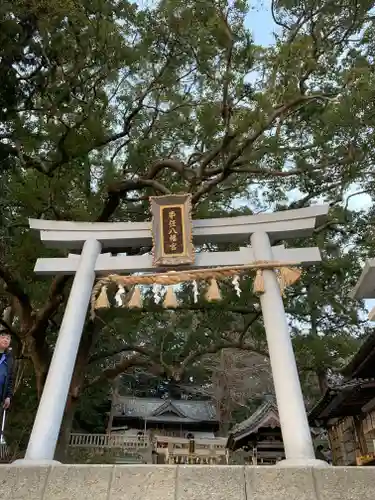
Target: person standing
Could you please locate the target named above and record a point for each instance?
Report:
(6, 370)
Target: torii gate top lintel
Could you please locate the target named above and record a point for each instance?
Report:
(278, 225)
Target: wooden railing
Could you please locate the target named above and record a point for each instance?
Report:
(170, 442)
(194, 459)
(4, 453)
(185, 451)
(109, 441)
(173, 449)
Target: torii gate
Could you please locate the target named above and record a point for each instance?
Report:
(93, 238)
(365, 286)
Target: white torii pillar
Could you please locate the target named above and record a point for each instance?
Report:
(93, 237)
(365, 286)
(291, 407)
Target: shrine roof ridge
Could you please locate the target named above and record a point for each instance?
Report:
(333, 393)
(256, 419)
(283, 224)
(191, 410)
(363, 361)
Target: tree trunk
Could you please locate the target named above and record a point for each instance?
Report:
(322, 380)
(224, 429)
(61, 453)
(41, 358)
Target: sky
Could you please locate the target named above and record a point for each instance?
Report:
(259, 21)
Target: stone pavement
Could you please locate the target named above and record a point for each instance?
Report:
(151, 482)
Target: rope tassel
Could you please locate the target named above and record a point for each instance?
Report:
(170, 299)
(213, 293)
(102, 301)
(135, 301)
(288, 276)
(258, 286)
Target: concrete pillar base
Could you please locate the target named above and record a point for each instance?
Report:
(23, 462)
(302, 462)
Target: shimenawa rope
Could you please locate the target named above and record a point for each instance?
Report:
(287, 275)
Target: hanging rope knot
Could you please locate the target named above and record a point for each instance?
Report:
(286, 276)
(258, 286)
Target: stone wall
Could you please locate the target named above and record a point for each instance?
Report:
(134, 482)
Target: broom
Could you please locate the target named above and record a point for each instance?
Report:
(4, 451)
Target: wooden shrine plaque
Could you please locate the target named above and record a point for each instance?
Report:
(172, 230)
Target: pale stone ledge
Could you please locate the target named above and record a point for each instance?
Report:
(137, 482)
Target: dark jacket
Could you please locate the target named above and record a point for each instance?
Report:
(7, 389)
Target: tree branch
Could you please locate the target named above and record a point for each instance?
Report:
(243, 310)
(279, 111)
(222, 173)
(55, 298)
(248, 324)
(213, 349)
(7, 327)
(117, 190)
(113, 372)
(114, 352)
(14, 287)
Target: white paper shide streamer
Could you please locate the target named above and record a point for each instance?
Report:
(195, 291)
(236, 285)
(157, 293)
(119, 294)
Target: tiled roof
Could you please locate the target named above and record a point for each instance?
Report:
(265, 416)
(337, 393)
(362, 365)
(152, 408)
